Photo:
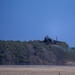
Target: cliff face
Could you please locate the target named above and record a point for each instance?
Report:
(32, 52)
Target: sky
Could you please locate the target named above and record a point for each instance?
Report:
(26, 20)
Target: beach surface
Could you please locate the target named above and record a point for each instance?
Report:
(37, 70)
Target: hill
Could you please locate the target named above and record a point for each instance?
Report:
(35, 52)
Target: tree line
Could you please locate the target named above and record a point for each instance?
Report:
(33, 53)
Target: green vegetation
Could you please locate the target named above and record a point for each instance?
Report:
(35, 52)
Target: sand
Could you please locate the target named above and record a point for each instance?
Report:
(57, 70)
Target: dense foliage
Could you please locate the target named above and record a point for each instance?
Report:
(34, 52)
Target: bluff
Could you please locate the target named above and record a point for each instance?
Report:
(46, 52)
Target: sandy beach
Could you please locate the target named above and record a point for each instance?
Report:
(37, 70)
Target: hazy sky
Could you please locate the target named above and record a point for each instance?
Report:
(34, 19)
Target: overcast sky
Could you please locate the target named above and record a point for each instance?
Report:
(34, 19)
